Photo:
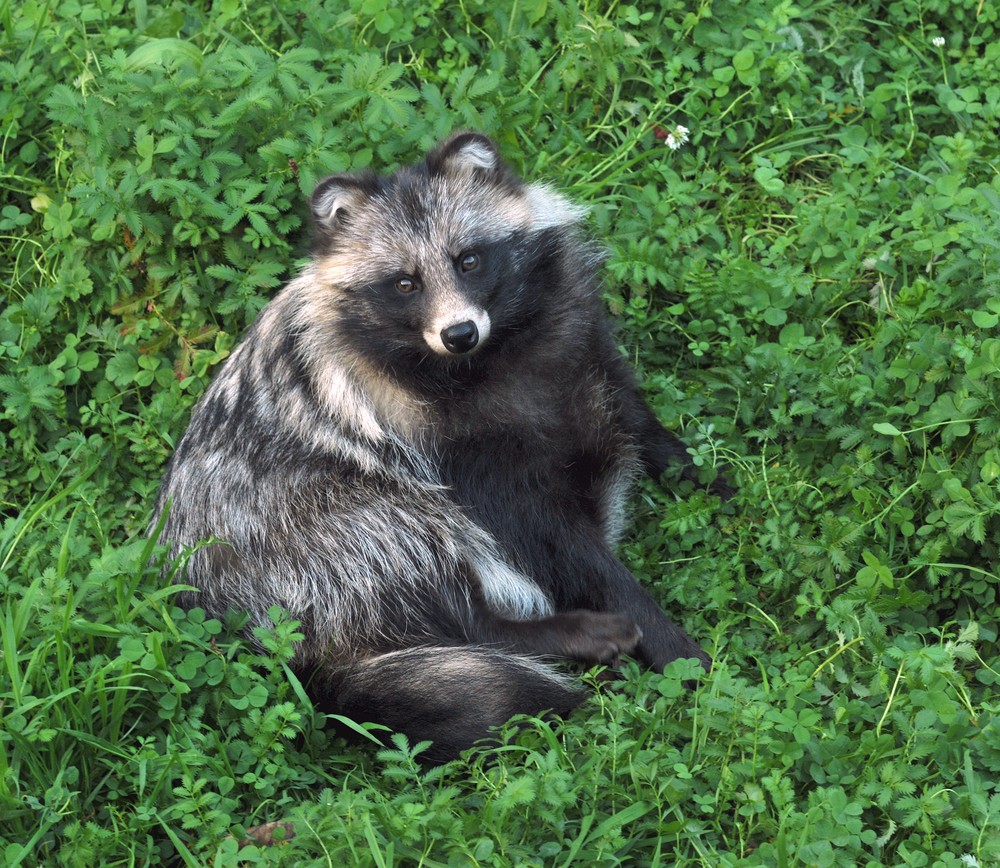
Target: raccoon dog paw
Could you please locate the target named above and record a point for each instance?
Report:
(598, 637)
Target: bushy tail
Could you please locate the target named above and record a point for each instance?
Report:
(452, 696)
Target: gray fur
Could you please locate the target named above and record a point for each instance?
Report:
(400, 498)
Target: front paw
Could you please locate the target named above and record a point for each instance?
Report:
(598, 637)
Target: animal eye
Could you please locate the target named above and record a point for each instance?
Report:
(469, 262)
(406, 285)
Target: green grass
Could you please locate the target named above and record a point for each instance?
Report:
(809, 286)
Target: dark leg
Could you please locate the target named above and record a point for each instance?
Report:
(659, 449)
(662, 640)
(594, 579)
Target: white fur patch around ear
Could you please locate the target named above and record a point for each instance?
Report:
(550, 209)
(473, 155)
(331, 198)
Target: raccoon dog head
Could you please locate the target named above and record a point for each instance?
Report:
(434, 260)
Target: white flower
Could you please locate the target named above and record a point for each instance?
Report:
(938, 42)
(677, 137)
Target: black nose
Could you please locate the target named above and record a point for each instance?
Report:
(460, 338)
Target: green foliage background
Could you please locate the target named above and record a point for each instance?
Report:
(810, 288)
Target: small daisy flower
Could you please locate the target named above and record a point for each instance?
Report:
(938, 42)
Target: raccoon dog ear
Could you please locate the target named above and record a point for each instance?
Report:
(465, 153)
(334, 198)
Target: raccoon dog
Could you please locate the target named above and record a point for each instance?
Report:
(421, 451)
